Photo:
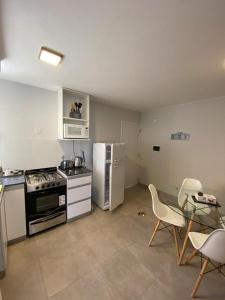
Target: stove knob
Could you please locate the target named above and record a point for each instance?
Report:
(48, 185)
(37, 187)
(58, 183)
(53, 184)
(43, 186)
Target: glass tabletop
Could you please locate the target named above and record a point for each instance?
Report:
(207, 215)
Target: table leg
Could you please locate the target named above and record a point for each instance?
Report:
(186, 240)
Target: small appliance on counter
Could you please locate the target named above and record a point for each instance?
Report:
(79, 161)
(66, 164)
(45, 199)
(8, 173)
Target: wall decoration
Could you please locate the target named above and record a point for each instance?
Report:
(181, 136)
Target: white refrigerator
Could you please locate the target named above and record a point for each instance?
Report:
(108, 174)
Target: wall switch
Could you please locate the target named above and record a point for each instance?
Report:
(156, 148)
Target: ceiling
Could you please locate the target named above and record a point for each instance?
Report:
(132, 53)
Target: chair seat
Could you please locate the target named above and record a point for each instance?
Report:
(197, 239)
(172, 215)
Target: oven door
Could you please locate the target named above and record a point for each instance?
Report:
(44, 203)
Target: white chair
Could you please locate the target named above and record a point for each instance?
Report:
(172, 216)
(186, 202)
(212, 246)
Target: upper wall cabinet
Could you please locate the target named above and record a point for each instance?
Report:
(73, 115)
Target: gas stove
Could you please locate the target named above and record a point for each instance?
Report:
(45, 199)
(42, 179)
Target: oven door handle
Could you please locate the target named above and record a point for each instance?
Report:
(41, 220)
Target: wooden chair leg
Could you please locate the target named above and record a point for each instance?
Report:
(191, 256)
(154, 233)
(200, 277)
(185, 241)
(176, 240)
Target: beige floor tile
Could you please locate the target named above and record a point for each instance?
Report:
(58, 270)
(25, 284)
(124, 273)
(61, 267)
(90, 286)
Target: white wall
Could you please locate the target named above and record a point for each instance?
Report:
(28, 127)
(106, 121)
(106, 125)
(202, 157)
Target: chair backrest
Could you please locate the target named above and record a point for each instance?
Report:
(214, 246)
(156, 204)
(188, 183)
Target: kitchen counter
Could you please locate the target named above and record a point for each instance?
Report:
(7, 181)
(12, 180)
(75, 172)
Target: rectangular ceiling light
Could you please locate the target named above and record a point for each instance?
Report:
(50, 56)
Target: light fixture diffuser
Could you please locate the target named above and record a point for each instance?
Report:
(50, 56)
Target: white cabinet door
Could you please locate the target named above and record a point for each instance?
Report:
(3, 236)
(116, 186)
(78, 181)
(76, 209)
(78, 193)
(78, 196)
(15, 212)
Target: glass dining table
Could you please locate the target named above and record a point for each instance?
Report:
(199, 216)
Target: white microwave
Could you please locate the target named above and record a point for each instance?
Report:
(73, 131)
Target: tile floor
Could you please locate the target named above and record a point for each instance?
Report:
(104, 256)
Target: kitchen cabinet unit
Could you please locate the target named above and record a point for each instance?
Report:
(15, 212)
(3, 236)
(78, 196)
(73, 125)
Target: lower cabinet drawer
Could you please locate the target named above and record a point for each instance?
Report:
(77, 209)
(78, 181)
(78, 193)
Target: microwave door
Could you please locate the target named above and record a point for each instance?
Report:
(75, 131)
(72, 131)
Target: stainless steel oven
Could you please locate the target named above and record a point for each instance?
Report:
(45, 203)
